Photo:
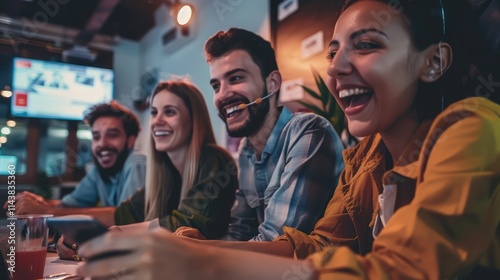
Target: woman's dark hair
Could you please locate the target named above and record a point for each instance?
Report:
(472, 61)
(259, 49)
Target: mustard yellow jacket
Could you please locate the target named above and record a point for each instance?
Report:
(447, 218)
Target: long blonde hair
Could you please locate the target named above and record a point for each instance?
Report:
(159, 172)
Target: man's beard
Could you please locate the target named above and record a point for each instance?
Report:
(106, 173)
(256, 115)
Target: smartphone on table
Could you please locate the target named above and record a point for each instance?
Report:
(80, 229)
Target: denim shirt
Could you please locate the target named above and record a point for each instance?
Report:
(292, 182)
(92, 189)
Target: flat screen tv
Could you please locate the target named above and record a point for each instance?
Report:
(46, 89)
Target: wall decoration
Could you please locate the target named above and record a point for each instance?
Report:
(312, 45)
(291, 90)
(287, 8)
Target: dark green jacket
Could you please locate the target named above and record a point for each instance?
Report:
(207, 206)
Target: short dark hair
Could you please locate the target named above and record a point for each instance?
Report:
(260, 50)
(114, 109)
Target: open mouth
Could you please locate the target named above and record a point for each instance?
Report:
(162, 132)
(105, 154)
(231, 108)
(354, 97)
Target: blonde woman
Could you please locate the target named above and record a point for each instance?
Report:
(190, 180)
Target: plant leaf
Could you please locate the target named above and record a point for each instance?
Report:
(311, 92)
(323, 89)
(331, 109)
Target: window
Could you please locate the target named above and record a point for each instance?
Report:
(13, 135)
(84, 136)
(65, 149)
(60, 150)
(52, 143)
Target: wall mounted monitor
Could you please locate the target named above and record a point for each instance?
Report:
(55, 90)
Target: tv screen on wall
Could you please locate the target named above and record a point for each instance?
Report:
(46, 89)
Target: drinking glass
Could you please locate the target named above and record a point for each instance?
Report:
(32, 235)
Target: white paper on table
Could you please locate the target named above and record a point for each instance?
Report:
(54, 265)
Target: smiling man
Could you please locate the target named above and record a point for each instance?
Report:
(288, 163)
(117, 174)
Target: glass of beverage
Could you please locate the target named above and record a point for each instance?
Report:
(32, 235)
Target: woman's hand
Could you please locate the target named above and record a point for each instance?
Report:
(161, 255)
(190, 232)
(151, 255)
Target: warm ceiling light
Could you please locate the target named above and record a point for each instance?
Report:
(3, 139)
(6, 92)
(5, 130)
(184, 14)
(11, 123)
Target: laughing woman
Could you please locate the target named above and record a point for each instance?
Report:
(190, 181)
(420, 194)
